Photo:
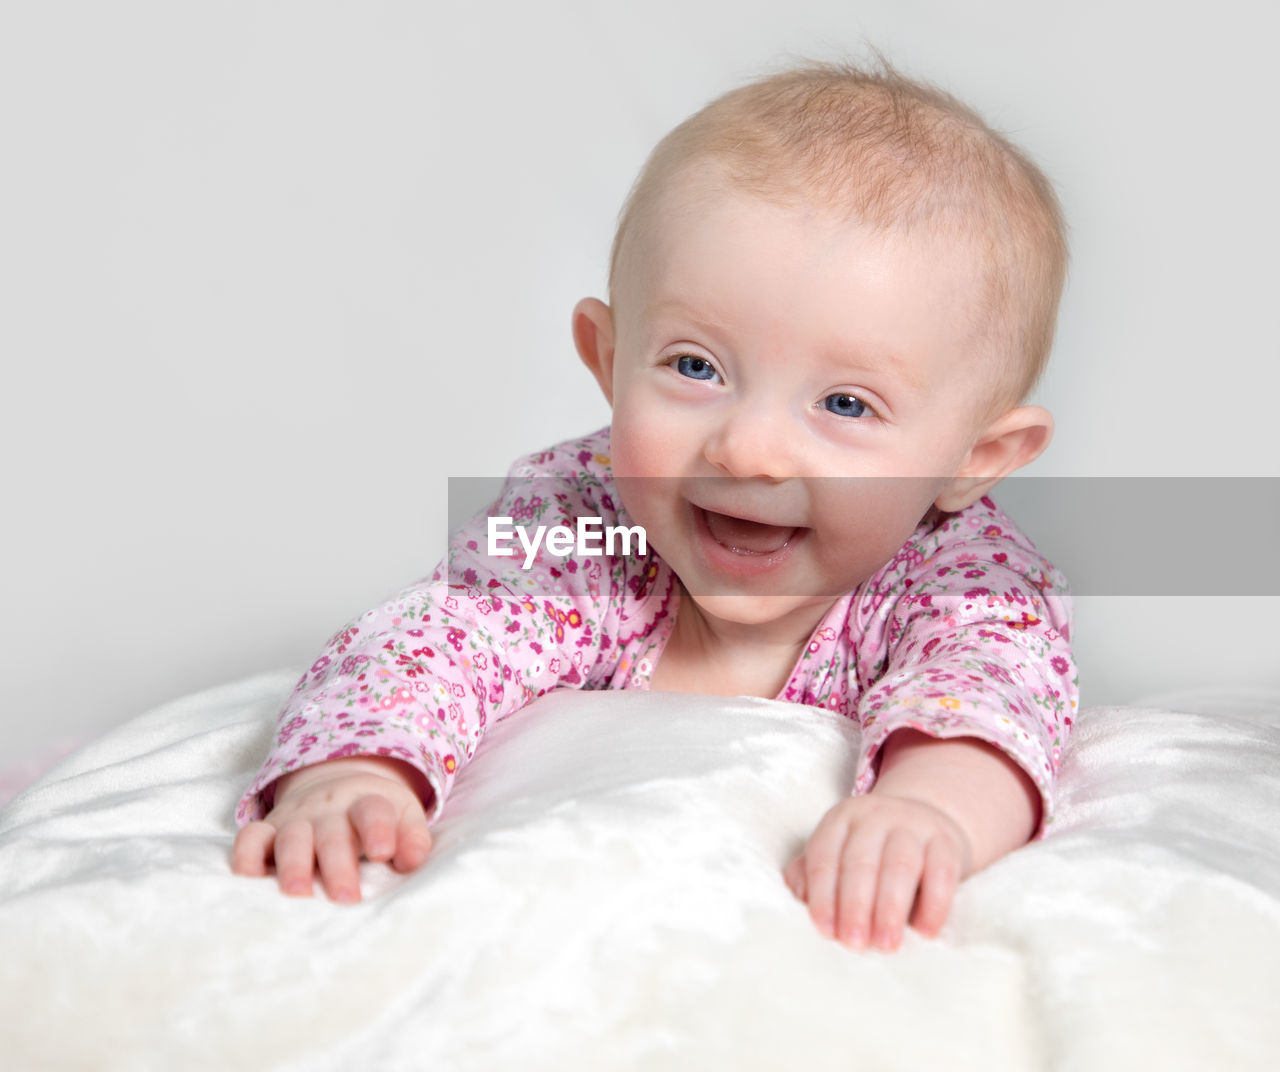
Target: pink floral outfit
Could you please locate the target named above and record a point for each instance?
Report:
(964, 633)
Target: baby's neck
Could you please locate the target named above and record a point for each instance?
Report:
(712, 655)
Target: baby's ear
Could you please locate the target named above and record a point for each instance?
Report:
(593, 336)
(1008, 443)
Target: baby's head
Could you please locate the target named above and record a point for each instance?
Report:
(829, 273)
(895, 155)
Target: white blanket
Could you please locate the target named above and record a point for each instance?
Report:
(605, 893)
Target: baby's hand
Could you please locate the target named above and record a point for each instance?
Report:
(325, 816)
(869, 859)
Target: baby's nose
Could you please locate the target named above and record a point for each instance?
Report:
(752, 444)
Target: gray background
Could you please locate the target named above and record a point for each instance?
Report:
(270, 273)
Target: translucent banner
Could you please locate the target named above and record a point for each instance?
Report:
(1121, 536)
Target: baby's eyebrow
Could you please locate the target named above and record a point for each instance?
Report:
(886, 362)
(680, 307)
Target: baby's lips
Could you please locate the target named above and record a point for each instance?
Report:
(753, 537)
(772, 502)
(739, 512)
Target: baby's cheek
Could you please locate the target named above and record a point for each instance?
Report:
(636, 443)
(865, 522)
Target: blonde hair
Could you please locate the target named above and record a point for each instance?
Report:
(897, 155)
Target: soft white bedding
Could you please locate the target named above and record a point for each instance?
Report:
(605, 894)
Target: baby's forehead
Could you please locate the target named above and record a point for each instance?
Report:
(953, 227)
(695, 267)
(705, 217)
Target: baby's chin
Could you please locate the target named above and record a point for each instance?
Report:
(789, 613)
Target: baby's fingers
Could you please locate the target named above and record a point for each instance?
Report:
(937, 887)
(294, 851)
(821, 862)
(337, 853)
(374, 818)
(413, 840)
(840, 874)
(251, 848)
(900, 868)
(856, 893)
(404, 842)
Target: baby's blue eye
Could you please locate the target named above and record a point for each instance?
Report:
(845, 405)
(696, 368)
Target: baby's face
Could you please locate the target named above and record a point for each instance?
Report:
(802, 389)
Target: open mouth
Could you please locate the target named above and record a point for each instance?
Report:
(745, 537)
(742, 548)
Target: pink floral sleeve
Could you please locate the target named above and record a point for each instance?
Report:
(966, 634)
(420, 677)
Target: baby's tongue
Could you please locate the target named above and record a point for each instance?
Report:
(749, 536)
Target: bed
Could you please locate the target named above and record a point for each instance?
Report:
(605, 893)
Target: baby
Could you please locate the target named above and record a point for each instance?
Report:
(830, 294)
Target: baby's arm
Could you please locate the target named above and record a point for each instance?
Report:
(939, 811)
(965, 633)
(378, 729)
(327, 816)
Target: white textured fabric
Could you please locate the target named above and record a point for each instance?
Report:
(605, 893)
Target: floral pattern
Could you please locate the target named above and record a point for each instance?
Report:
(963, 633)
